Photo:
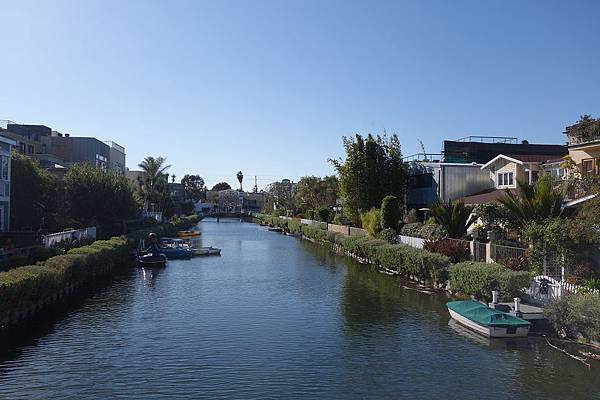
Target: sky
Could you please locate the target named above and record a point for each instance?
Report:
(270, 87)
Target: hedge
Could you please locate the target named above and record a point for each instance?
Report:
(24, 286)
(479, 279)
(576, 315)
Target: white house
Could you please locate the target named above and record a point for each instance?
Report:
(6, 145)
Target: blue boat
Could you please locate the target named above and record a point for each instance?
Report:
(175, 249)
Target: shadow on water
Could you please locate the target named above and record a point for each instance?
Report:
(29, 332)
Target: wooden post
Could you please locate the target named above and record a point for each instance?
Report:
(473, 244)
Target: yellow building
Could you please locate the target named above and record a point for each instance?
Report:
(584, 145)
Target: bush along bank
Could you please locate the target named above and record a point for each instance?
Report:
(26, 290)
(420, 265)
(395, 259)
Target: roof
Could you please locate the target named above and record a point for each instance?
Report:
(524, 158)
(483, 315)
(485, 196)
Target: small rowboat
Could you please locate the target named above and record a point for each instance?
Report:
(149, 261)
(206, 251)
(487, 321)
(186, 234)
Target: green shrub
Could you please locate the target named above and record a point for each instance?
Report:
(433, 232)
(23, 286)
(413, 229)
(576, 314)
(389, 235)
(391, 214)
(294, 226)
(310, 214)
(323, 214)
(479, 279)
(407, 260)
(371, 221)
(315, 232)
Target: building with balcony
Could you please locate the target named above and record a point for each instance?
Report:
(584, 145)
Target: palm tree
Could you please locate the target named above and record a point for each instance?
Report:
(533, 203)
(173, 178)
(454, 217)
(152, 181)
(240, 178)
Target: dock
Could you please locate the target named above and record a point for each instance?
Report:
(527, 312)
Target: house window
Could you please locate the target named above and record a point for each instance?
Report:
(505, 178)
(101, 161)
(30, 149)
(22, 148)
(590, 166)
(5, 168)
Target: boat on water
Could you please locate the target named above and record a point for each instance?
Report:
(275, 229)
(187, 234)
(487, 321)
(206, 251)
(175, 248)
(150, 261)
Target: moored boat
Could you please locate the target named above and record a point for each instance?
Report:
(206, 251)
(187, 234)
(175, 248)
(150, 261)
(487, 321)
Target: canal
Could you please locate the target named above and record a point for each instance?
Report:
(273, 317)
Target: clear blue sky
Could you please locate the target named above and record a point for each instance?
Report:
(270, 87)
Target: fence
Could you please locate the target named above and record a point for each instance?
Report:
(411, 241)
(544, 288)
(53, 238)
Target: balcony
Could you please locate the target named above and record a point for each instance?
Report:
(585, 131)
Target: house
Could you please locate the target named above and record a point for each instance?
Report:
(505, 170)
(6, 145)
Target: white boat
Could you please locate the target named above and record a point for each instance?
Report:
(487, 321)
(206, 251)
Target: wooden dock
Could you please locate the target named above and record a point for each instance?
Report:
(528, 312)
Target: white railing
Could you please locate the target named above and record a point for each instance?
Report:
(544, 288)
(53, 238)
(411, 241)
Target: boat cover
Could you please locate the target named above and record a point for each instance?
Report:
(483, 315)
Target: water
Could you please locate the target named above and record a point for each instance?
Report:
(274, 317)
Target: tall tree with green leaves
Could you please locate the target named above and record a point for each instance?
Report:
(373, 169)
(33, 194)
(193, 186)
(453, 216)
(153, 182)
(95, 196)
(314, 192)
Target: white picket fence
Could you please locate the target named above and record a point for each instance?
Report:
(78, 234)
(544, 288)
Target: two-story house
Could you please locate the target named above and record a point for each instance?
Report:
(6, 145)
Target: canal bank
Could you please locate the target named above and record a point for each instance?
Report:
(26, 291)
(274, 318)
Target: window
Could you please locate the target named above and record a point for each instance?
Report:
(30, 149)
(101, 161)
(420, 181)
(22, 148)
(5, 168)
(505, 179)
(590, 167)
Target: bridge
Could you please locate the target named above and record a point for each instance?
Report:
(242, 216)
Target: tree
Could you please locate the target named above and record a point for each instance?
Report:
(324, 213)
(391, 214)
(371, 221)
(240, 178)
(533, 203)
(313, 192)
(221, 186)
(453, 217)
(153, 182)
(33, 193)
(372, 170)
(193, 186)
(93, 195)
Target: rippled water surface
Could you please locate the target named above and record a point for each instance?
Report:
(273, 317)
